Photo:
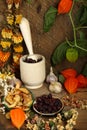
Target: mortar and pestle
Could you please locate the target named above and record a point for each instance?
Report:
(32, 73)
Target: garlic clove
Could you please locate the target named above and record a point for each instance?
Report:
(51, 88)
(51, 77)
(55, 87)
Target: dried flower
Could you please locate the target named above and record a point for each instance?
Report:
(5, 44)
(9, 3)
(6, 33)
(4, 56)
(16, 58)
(56, 122)
(10, 19)
(17, 2)
(18, 19)
(17, 38)
(18, 49)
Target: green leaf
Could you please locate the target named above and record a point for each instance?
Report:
(81, 16)
(59, 53)
(28, 1)
(82, 35)
(82, 43)
(61, 78)
(49, 18)
(84, 70)
(80, 0)
(83, 19)
(76, 0)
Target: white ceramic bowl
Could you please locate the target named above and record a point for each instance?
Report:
(33, 74)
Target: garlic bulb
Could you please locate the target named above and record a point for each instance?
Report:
(51, 77)
(55, 87)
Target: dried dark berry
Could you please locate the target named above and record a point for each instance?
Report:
(47, 104)
(30, 60)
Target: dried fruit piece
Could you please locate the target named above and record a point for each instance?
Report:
(18, 98)
(47, 104)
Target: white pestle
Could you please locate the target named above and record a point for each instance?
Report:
(26, 32)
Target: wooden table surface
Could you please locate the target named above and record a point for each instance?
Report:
(82, 117)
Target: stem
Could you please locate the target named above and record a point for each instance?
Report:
(84, 27)
(74, 30)
(69, 43)
(81, 48)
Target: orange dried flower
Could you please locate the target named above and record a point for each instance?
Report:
(17, 117)
(4, 56)
(18, 19)
(18, 49)
(70, 72)
(82, 81)
(64, 6)
(71, 84)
